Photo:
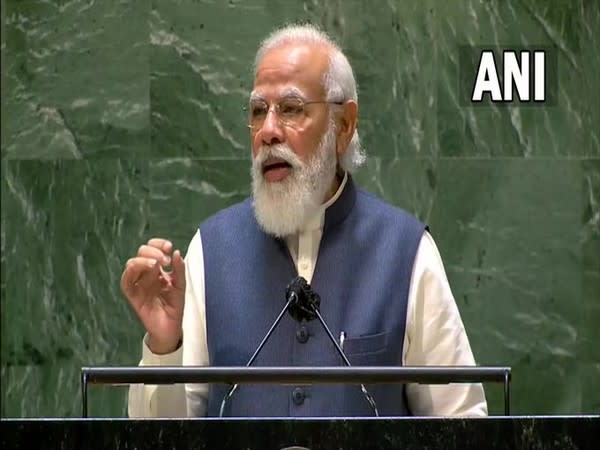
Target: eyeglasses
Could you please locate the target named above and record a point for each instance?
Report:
(291, 111)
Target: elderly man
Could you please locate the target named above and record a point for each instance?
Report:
(378, 272)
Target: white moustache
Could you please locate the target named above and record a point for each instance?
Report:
(278, 151)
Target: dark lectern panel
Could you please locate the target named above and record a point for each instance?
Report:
(564, 433)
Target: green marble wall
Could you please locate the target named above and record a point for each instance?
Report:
(121, 121)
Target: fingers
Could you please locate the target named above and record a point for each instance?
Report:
(178, 270)
(154, 253)
(161, 244)
(136, 270)
(145, 270)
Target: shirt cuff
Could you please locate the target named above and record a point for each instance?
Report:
(168, 359)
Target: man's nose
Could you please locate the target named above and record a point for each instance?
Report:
(271, 131)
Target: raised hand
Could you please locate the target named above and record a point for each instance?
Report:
(156, 295)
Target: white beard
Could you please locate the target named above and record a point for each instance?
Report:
(282, 208)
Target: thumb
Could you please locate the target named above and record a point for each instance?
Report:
(178, 268)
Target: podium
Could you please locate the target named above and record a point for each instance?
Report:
(491, 433)
(347, 433)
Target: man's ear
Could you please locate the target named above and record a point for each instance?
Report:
(346, 122)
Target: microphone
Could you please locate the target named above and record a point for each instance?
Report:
(305, 305)
(304, 302)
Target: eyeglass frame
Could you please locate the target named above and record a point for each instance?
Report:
(276, 106)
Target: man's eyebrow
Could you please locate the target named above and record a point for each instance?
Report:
(255, 97)
(293, 92)
(286, 93)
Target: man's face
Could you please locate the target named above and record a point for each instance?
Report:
(294, 155)
(290, 72)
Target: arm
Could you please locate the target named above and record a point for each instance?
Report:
(178, 400)
(435, 336)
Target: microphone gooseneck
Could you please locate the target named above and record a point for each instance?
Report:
(290, 299)
(302, 303)
(307, 307)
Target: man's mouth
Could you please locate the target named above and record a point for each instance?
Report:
(276, 169)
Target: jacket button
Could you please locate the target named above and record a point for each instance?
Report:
(298, 396)
(302, 335)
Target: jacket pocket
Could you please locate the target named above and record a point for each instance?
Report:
(363, 345)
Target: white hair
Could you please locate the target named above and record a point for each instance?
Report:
(338, 82)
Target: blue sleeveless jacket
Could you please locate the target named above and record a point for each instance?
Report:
(362, 275)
